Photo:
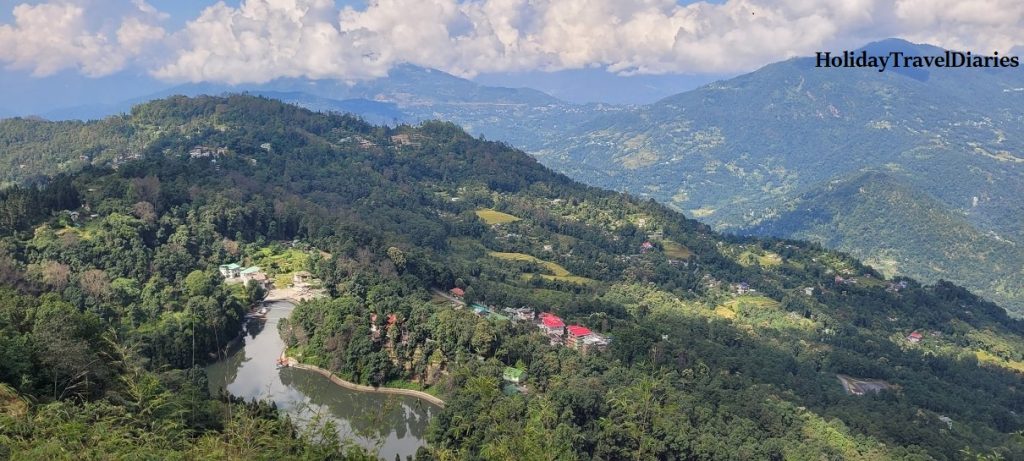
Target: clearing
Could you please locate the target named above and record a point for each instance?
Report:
(860, 386)
(557, 271)
(675, 251)
(492, 217)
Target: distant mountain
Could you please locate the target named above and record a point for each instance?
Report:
(523, 117)
(735, 153)
(897, 228)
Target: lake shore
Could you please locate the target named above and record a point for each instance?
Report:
(294, 363)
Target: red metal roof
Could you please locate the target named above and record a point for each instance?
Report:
(916, 335)
(579, 330)
(458, 292)
(552, 321)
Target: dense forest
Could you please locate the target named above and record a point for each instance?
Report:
(718, 347)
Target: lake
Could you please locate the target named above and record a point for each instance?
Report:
(386, 424)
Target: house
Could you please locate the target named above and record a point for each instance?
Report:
(252, 273)
(552, 324)
(230, 271)
(523, 314)
(457, 293)
(594, 342)
(742, 288)
(646, 246)
(480, 309)
(577, 333)
(203, 152)
(301, 278)
(513, 375)
(915, 337)
(809, 291)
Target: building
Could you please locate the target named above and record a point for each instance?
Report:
(252, 273)
(594, 342)
(915, 337)
(480, 309)
(522, 314)
(577, 334)
(742, 288)
(457, 293)
(230, 271)
(646, 246)
(203, 152)
(513, 375)
(551, 324)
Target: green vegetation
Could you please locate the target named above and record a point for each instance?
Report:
(494, 217)
(699, 366)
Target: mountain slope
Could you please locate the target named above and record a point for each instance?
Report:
(899, 229)
(734, 152)
(699, 366)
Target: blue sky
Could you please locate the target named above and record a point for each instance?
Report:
(81, 51)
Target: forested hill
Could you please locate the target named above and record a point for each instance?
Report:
(718, 348)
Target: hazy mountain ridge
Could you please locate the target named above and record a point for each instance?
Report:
(734, 153)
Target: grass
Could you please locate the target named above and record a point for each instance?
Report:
(557, 272)
(986, 357)
(725, 312)
(759, 302)
(675, 251)
(492, 217)
(281, 264)
(554, 268)
(768, 259)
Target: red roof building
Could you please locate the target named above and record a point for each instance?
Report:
(915, 337)
(576, 335)
(457, 292)
(551, 324)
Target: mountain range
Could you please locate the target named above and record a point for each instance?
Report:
(774, 152)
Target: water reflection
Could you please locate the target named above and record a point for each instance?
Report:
(388, 424)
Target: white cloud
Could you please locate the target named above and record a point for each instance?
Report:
(46, 38)
(261, 40)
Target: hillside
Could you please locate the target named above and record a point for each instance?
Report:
(733, 153)
(715, 347)
(899, 229)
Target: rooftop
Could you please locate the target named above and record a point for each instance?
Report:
(579, 330)
(552, 321)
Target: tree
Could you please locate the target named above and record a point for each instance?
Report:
(483, 338)
(254, 292)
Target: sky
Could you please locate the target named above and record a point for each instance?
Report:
(113, 43)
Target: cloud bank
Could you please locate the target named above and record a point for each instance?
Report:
(260, 40)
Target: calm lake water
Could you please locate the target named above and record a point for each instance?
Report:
(387, 424)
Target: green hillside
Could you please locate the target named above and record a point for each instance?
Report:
(734, 153)
(718, 348)
(899, 229)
